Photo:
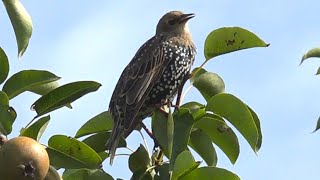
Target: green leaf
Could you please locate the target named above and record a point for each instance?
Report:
(196, 72)
(209, 173)
(196, 109)
(238, 114)
(99, 140)
(63, 95)
(315, 52)
(52, 174)
(184, 164)
(229, 39)
(202, 144)
(100, 123)
(141, 175)
(139, 160)
(221, 135)
(7, 117)
(4, 100)
(21, 22)
(318, 125)
(183, 122)
(68, 152)
(25, 80)
(170, 131)
(159, 129)
(209, 84)
(36, 130)
(257, 123)
(4, 66)
(45, 88)
(85, 174)
(163, 172)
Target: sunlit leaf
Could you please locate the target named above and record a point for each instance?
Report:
(21, 22)
(68, 152)
(183, 122)
(36, 130)
(196, 109)
(221, 134)
(202, 144)
(209, 84)
(228, 39)
(209, 173)
(100, 123)
(4, 66)
(99, 140)
(63, 95)
(7, 117)
(238, 114)
(315, 52)
(25, 80)
(85, 174)
(139, 160)
(183, 165)
(196, 72)
(257, 122)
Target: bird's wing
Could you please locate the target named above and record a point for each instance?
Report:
(137, 80)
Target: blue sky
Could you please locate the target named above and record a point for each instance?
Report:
(94, 40)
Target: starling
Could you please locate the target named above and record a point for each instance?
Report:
(153, 77)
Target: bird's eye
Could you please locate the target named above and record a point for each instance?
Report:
(172, 22)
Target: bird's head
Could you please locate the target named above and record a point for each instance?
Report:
(174, 22)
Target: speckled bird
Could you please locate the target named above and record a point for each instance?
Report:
(153, 76)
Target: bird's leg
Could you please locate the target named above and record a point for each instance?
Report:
(178, 101)
(156, 143)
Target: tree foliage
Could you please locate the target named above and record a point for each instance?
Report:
(201, 126)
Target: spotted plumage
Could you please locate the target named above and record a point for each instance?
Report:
(153, 76)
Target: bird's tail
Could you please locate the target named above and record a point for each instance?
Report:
(113, 141)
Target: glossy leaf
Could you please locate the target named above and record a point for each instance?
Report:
(315, 52)
(99, 140)
(21, 22)
(25, 80)
(209, 173)
(170, 131)
(63, 95)
(7, 118)
(318, 125)
(209, 84)
(52, 174)
(222, 135)
(139, 160)
(4, 100)
(85, 174)
(238, 114)
(100, 123)
(183, 122)
(229, 39)
(183, 165)
(36, 130)
(67, 152)
(202, 144)
(4, 66)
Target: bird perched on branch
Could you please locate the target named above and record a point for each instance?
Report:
(153, 77)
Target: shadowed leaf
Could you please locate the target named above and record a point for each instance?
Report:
(4, 66)
(36, 130)
(85, 174)
(7, 118)
(139, 160)
(318, 125)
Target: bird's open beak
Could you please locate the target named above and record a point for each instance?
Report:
(186, 17)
